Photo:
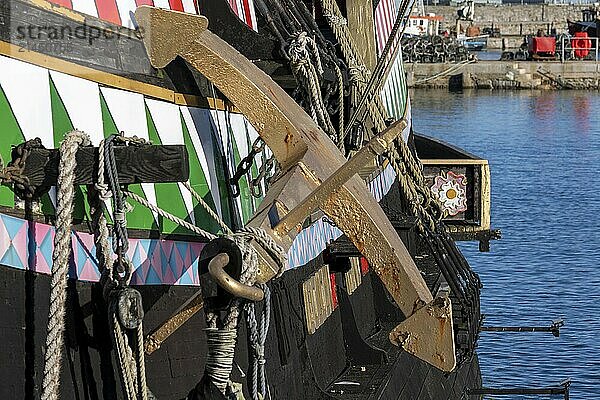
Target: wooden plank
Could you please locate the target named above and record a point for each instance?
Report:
(145, 164)
(485, 217)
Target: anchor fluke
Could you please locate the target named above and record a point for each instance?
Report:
(428, 334)
(157, 25)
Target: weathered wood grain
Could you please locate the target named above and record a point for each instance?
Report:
(146, 164)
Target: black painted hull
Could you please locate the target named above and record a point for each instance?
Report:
(300, 366)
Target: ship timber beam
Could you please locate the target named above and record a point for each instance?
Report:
(310, 159)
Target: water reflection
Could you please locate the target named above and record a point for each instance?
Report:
(544, 151)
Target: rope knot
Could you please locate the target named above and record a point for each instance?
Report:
(258, 351)
(103, 192)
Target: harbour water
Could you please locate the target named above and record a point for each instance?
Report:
(544, 151)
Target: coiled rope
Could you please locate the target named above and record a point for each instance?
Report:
(60, 263)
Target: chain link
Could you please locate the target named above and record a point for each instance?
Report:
(265, 172)
(13, 172)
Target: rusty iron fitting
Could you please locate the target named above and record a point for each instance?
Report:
(217, 272)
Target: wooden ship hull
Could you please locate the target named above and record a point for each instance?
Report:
(331, 313)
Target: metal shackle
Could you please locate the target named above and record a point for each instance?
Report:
(224, 280)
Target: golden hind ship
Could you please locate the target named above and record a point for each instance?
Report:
(224, 199)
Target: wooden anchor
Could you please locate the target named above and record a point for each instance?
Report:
(316, 176)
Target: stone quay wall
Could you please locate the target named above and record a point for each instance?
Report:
(515, 19)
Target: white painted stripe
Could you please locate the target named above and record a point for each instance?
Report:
(240, 10)
(167, 121)
(27, 88)
(82, 101)
(188, 6)
(86, 7)
(162, 4)
(254, 24)
(238, 128)
(224, 122)
(129, 113)
(126, 10)
(201, 129)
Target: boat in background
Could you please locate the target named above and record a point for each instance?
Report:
(590, 23)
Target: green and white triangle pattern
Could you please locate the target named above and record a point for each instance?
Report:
(82, 102)
(27, 88)
(164, 127)
(203, 152)
(36, 102)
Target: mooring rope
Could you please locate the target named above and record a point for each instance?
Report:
(60, 263)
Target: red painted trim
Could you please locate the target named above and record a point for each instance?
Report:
(144, 3)
(62, 3)
(247, 15)
(364, 265)
(176, 5)
(108, 11)
(334, 298)
(233, 5)
(196, 6)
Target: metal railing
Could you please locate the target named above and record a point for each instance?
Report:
(568, 49)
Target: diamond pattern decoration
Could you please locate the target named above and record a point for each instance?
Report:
(155, 262)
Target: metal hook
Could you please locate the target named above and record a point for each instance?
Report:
(216, 270)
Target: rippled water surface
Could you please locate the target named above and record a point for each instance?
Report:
(544, 151)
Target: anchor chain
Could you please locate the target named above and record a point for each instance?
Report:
(266, 172)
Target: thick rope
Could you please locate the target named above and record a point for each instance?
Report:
(126, 367)
(307, 68)
(131, 366)
(219, 359)
(60, 263)
(359, 73)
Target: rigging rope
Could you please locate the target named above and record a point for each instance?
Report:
(307, 68)
(131, 366)
(257, 337)
(359, 73)
(60, 263)
(384, 64)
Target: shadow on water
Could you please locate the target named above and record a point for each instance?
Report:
(544, 152)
